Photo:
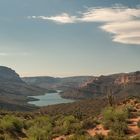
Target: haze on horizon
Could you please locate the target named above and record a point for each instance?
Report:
(69, 38)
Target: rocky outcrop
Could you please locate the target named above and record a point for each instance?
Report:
(128, 78)
(120, 85)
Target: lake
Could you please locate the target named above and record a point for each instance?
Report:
(49, 99)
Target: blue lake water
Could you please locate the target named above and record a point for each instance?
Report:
(49, 99)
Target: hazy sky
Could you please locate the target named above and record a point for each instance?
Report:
(70, 37)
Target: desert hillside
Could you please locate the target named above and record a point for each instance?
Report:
(14, 91)
(59, 83)
(118, 122)
(123, 84)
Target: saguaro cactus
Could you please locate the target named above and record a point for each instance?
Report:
(110, 96)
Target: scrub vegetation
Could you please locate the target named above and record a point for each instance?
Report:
(112, 123)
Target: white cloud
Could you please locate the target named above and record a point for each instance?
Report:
(122, 22)
(113, 14)
(127, 32)
(63, 18)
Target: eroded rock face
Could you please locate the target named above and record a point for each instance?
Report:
(128, 78)
(123, 84)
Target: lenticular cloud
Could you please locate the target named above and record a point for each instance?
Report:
(123, 23)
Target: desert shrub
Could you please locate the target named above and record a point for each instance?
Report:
(63, 119)
(138, 124)
(89, 123)
(129, 109)
(108, 114)
(106, 125)
(76, 128)
(115, 119)
(1, 137)
(40, 128)
(136, 138)
(115, 138)
(11, 124)
(57, 131)
(68, 125)
(78, 137)
(99, 137)
(41, 120)
(119, 128)
(35, 133)
(113, 114)
(78, 114)
(121, 114)
(7, 137)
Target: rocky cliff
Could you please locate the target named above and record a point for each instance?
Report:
(120, 84)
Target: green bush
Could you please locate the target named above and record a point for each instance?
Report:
(121, 115)
(115, 120)
(35, 133)
(68, 125)
(40, 128)
(119, 128)
(11, 124)
(108, 116)
(109, 113)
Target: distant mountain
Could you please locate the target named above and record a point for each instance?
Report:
(14, 91)
(123, 84)
(59, 83)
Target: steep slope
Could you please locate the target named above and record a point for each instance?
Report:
(123, 84)
(13, 91)
(59, 83)
(9, 74)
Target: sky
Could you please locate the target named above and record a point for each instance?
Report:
(70, 37)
